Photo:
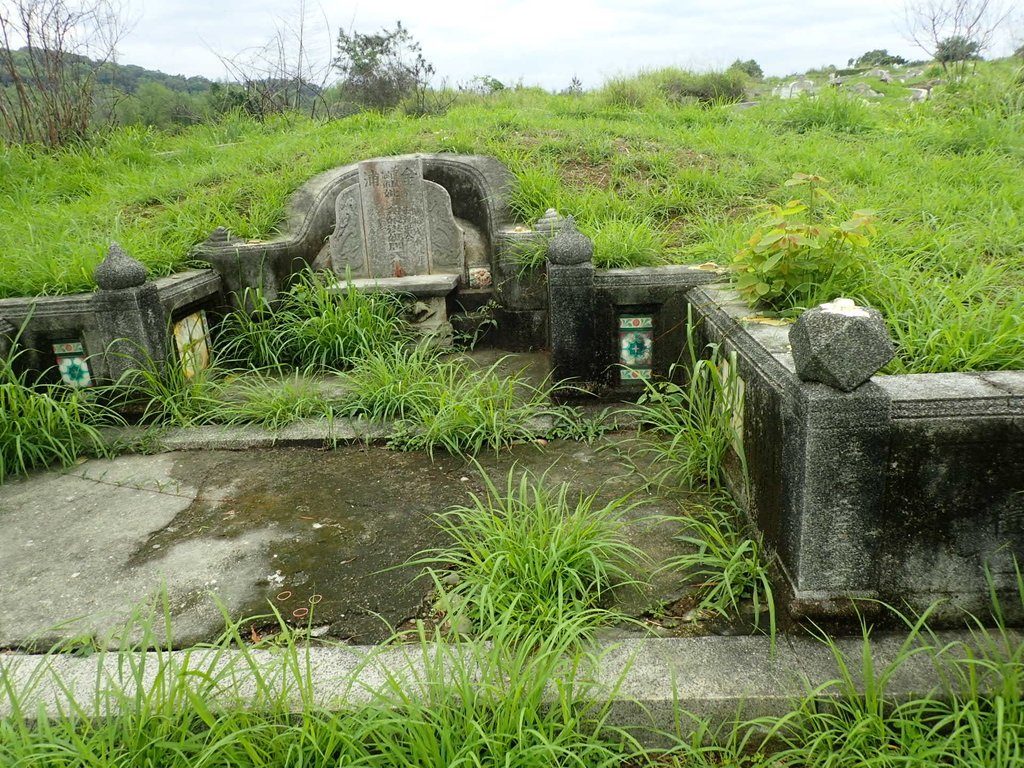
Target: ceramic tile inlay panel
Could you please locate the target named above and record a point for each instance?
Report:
(636, 343)
(71, 362)
(192, 335)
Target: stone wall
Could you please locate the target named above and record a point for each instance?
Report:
(905, 489)
(88, 326)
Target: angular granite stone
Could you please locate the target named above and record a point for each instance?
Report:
(840, 344)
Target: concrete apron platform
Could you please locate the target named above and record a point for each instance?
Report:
(322, 538)
(656, 687)
(79, 547)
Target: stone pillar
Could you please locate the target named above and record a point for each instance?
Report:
(130, 319)
(837, 453)
(571, 303)
(7, 335)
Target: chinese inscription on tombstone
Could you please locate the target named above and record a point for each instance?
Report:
(394, 222)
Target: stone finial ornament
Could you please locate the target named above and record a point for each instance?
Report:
(840, 344)
(550, 223)
(219, 236)
(570, 246)
(119, 271)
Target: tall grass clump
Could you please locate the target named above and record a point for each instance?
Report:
(316, 325)
(673, 86)
(973, 718)
(273, 402)
(517, 700)
(538, 187)
(687, 429)
(636, 92)
(538, 555)
(942, 322)
(681, 87)
(623, 243)
(44, 425)
(444, 403)
(728, 566)
(830, 110)
(165, 394)
(433, 705)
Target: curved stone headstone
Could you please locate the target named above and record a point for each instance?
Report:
(394, 223)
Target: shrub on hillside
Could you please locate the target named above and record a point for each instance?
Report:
(630, 92)
(706, 87)
(749, 67)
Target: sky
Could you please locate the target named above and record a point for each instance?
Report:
(535, 42)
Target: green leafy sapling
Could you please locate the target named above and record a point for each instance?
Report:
(799, 246)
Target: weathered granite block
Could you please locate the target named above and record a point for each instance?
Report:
(836, 453)
(131, 320)
(571, 304)
(840, 344)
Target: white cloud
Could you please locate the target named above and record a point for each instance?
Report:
(539, 41)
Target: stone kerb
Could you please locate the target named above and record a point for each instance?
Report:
(903, 489)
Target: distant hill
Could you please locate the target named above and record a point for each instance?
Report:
(124, 77)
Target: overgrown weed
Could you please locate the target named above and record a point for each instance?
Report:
(974, 717)
(687, 429)
(435, 402)
(315, 325)
(45, 424)
(728, 566)
(534, 554)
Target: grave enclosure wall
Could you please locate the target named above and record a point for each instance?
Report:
(905, 489)
(91, 326)
(909, 489)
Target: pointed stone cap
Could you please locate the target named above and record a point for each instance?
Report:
(119, 271)
(570, 246)
(219, 236)
(549, 223)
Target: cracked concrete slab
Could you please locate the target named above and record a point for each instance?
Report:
(69, 545)
(322, 538)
